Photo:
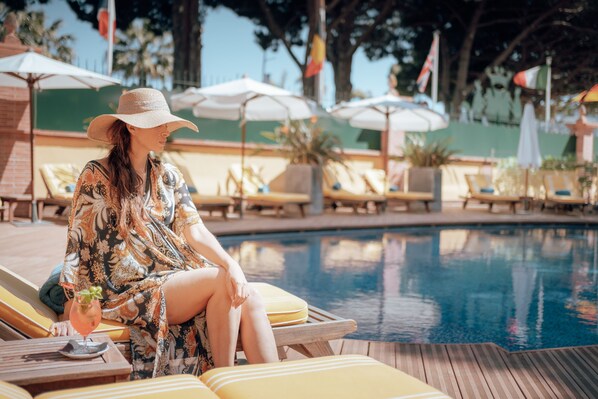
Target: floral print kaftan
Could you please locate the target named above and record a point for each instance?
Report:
(132, 271)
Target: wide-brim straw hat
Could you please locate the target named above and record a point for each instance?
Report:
(143, 108)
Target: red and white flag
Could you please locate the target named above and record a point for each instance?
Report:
(103, 18)
(107, 28)
(424, 75)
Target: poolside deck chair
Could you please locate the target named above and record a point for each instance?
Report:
(341, 376)
(202, 201)
(335, 195)
(561, 192)
(296, 324)
(255, 194)
(377, 182)
(60, 180)
(481, 190)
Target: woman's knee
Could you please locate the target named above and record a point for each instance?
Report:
(254, 303)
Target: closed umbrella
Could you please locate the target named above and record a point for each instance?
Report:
(389, 112)
(34, 71)
(246, 100)
(528, 152)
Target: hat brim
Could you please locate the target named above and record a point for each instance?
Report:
(99, 126)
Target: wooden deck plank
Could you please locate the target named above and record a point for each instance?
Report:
(355, 347)
(497, 375)
(579, 371)
(528, 377)
(439, 372)
(590, 356)
(383, 352)
(468, 373)
(409, 360)
(559, 380)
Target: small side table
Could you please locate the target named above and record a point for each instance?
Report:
(527, 202)
(36, 365)
(11, 201)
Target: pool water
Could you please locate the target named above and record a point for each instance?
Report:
(519, 287)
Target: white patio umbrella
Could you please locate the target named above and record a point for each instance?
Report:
(244, 99)
(528, 152)
(389, 112)
(34, 71)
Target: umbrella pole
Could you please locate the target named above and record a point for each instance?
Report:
(243, 135)
(384, 148)
(34, 218)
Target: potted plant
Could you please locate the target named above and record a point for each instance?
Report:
(426, 159)
(308, 149)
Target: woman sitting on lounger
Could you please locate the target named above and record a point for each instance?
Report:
(135, 232)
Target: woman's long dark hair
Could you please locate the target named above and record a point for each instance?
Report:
(124, 180)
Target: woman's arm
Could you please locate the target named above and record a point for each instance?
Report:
(204, 242)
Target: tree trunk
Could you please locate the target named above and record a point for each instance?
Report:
(186, 35)
(465, 56)
(342, 61)
(342, 78)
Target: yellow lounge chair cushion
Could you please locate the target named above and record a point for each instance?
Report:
(200, 199)
(57, 176)
(567, 199)
(10, 391)
(344, 195)
(283, 308)
(282, 198)
(495, 197)
(347, 377)
(21, 308)
(175, 386)
(409, 196)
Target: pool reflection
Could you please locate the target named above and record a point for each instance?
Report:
(521, 288)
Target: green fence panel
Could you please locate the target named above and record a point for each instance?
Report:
(71, 110)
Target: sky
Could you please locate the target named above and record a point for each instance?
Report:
(229, 52)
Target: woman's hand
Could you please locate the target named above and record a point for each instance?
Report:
(236, 285)
(61, 328)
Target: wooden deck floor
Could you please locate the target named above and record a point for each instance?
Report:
(461, 371)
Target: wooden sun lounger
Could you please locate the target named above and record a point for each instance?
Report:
(479, 181)
(252, 181)
(375, 180)
(310, 338)
(342, 197)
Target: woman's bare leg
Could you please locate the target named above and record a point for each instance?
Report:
(190, 292)
(256, 333)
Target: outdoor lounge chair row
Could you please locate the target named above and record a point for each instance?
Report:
(560, 192)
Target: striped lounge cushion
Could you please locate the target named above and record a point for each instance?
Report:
(346, 376)
(176, 386)
(9, 391)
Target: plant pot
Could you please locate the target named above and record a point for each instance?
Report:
(428, 180)
(306, 179)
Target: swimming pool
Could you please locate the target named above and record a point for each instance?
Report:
(521, 287)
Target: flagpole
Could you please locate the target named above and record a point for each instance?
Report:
(111, 19)
(435, 71)
(548, 84)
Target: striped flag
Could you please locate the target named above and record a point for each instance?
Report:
(104, 16)
(533, 78)
(318, 56)
(424, 75)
